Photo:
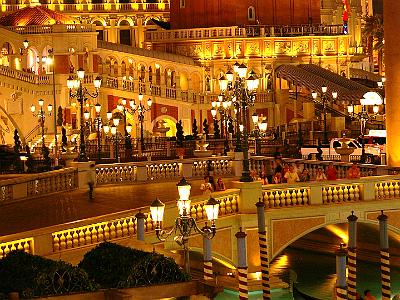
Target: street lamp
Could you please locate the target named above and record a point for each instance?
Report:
(133, 108)
(241, 88)
(76, 90)
(222, 106)
(369, 99)
(185, 225)
(41, 114)
(325, 101)
(50, 62)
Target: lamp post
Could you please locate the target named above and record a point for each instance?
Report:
(325, 101)
(114, 133)
(185, 225)
(76, 90)
(260, 127)
(133, 108)
(222, 107)
(237, 85)
(369, 99)
(41, 114)
(51, 62)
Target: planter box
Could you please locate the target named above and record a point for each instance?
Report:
(100, 295)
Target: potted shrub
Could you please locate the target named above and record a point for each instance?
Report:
(180, 150)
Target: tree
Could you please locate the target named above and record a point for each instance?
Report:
(64, 140)
(206, 128)
(217, 133)
(179, 134)
(60, 119)
(195, 132)
(17, 142)
(231, 129)
(373, 31)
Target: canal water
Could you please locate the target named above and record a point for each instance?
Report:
(316, 276)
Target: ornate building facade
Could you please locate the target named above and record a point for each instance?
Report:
(178, 69)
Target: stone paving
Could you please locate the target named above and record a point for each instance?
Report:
(71, 206)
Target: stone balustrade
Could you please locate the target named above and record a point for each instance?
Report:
(122, 225)
(138, 6)
(21, 244)
(331, 192)
(38, 185)
(258, 164)
(243, 32)
(49, 29)
(127, 173)
(25, 76)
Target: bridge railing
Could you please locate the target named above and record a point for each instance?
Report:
(331, 192)
(258, 164)
(125, 173)
(37, 185)
(111, 227)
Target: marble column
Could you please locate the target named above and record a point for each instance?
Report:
(392, 62)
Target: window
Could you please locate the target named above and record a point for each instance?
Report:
(251, 13)
(182, 3)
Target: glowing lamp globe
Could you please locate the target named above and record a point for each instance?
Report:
(157, 210)
(80, 73)
(184, 189)
(212, 209)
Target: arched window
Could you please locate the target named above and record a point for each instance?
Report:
(182, 3)
(251, 13)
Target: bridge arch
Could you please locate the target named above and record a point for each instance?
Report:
(298, 235)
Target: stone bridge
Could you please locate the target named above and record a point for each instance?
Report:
(292, 211)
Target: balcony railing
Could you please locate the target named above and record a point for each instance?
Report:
(243, 32)
(48, 29)
(97, 7)
(24, 76)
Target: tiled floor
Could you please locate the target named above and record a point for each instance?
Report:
(66, 207)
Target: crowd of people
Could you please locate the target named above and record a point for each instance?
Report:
(276, 172)
(209, 185)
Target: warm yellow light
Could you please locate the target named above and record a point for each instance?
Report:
(339, 232)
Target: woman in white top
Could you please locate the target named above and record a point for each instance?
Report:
(206, 186)
(320, 175)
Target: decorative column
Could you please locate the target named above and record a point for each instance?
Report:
(242, 264)
(207, 259)
(341, 291)
(352, 257)
(262, 240)
(392, 73)
(140, 217)
(385, 259)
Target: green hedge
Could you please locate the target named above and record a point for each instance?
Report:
(32, 276)
(114, 266)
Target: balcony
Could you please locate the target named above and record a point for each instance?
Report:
(97, 7)
(244, 32)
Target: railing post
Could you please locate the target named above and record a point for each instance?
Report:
(316, 195)
(19, 191)
(43, 244)
(187, 169)
(237, 164)
(368, 191)
(141, 172)
(249, 193)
